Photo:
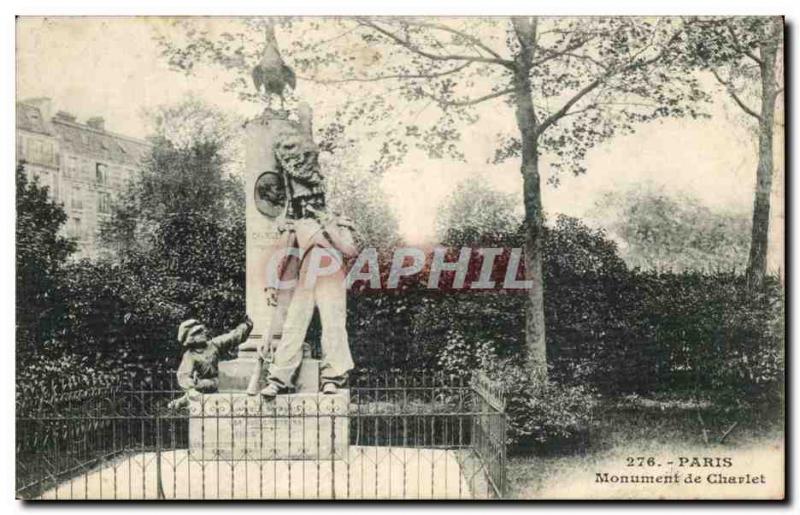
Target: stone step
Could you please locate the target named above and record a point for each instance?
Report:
(234, 375)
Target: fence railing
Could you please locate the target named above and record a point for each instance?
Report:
(410, 436)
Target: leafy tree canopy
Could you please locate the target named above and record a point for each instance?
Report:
(675, 232)
(41, 253)
(590, 78)
(476, 213)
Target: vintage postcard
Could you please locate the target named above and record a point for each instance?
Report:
(507, 258)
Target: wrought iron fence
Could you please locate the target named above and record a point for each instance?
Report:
(410, 436)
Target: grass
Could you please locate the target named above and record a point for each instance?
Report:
(663, 428)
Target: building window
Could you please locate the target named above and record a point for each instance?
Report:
(47, 153)
(71, 167)
(103, 202)
(77, 228)
(32, 149)
(86, 168)
(77, 198)
(41, 152)
(101, 173)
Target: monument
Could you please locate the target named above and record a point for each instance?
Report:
(264, 207)
(253, 415)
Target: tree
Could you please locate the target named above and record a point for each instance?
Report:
(174, 182)
(193, 121)
(674, 232)
(177, 230)
(475, 213)
(570, 82)
(41, 253)
(354, 192)
(179, 254)
(744, 56)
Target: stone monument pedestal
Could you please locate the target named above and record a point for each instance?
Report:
(301, 426)
(234, 375)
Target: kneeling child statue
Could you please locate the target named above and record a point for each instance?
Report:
(199, 368)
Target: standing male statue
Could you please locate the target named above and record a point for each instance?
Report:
(317, 238)
(292, 189)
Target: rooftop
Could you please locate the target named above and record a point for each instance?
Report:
(30, 118)
(81, 138)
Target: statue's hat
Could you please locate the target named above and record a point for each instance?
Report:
(188, 328)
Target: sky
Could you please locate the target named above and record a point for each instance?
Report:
(111, 67)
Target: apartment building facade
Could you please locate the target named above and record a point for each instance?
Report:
(83, 165)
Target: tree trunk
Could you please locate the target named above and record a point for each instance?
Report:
(534, 235)
(757, 263)
(526, 121)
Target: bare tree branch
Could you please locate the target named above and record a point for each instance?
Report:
(735, 97)
(471, 102)
(597, 105)
(579, 111)
(467, 37)
(566, 51)
(397, 76)
(553, 118)
(333, 38)
(584, 57)
(406, 43)
(737, 44)
(557, 115)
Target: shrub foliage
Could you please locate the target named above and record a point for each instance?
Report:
(179, 253)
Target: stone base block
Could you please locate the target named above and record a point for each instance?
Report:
(234, 375)
(235, 426)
